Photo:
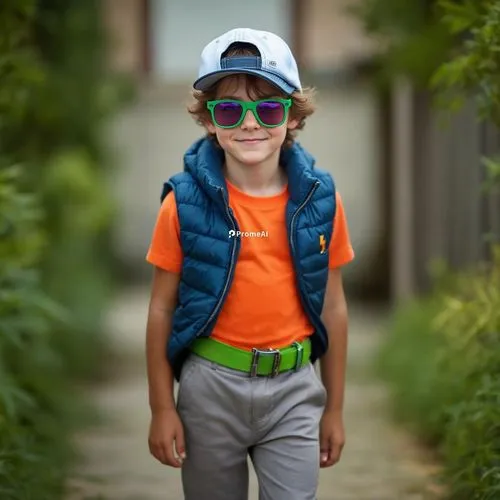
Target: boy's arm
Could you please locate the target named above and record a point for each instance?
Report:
(161, 308)
(333, 369)
(333, 363)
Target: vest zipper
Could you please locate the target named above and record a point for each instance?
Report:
(305, 298)
(231, 265)
(302, 205)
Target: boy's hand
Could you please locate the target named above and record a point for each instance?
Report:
(331, 438)
(165, 429)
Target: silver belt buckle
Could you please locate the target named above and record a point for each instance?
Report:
(257, 353)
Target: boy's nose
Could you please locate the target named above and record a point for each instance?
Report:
(249, 121)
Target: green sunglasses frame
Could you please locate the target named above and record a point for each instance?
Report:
(252, 106)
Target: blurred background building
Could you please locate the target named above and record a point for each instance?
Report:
(411, 186)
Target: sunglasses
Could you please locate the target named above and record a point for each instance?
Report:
(229, 113)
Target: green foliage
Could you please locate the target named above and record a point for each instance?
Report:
(450, 47)
(410, 375)
(473, 70)
(54, 102)
(442, 362)
(76, 270)
(34, 396)
(492, 181)
(20, 70)
(442, 355)
(472, 444)
(56, 216)
(470, 323)
(414, 40)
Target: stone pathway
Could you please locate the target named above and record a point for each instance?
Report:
(379, 461)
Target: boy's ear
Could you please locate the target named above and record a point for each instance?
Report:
(293, 123)
(207, 123)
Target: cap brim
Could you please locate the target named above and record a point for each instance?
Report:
(208, 81)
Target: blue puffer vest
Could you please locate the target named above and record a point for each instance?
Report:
(210, 256)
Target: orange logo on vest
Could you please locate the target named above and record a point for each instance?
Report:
(322, 243)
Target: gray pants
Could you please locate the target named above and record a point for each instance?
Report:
(227, 416)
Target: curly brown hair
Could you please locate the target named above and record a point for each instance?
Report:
(302, 102)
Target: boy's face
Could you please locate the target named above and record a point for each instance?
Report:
(250, 143)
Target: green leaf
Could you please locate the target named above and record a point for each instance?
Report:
(459, 17)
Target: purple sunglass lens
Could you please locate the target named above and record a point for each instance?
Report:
(227, 113)
(271, 113)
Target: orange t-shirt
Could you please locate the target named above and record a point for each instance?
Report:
(263, 307)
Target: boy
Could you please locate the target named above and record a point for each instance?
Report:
(247, 290)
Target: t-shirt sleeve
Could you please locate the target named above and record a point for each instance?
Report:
(340, 250)
(165, 250)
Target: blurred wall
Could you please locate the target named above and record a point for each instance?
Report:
(126, 26)
(441, 209)
(329, 36)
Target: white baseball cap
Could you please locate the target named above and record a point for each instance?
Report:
(275, 62)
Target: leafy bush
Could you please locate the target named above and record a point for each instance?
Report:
(54, 100)
(470, 323)
(33, 392)
(442, 355)
(473, 69)
(56, 217)
(408, 360)
(442, 362)
(76, 268)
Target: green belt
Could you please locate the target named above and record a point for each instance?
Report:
(256, 362)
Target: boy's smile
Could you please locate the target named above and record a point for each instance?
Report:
(250, 141)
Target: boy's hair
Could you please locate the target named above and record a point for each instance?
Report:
(302, 102)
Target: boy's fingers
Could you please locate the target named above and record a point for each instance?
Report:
(324, 446)
(324, 453)
(329, 451)
(180, 446)
(168, 451)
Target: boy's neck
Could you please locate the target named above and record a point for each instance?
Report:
(265, 179)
